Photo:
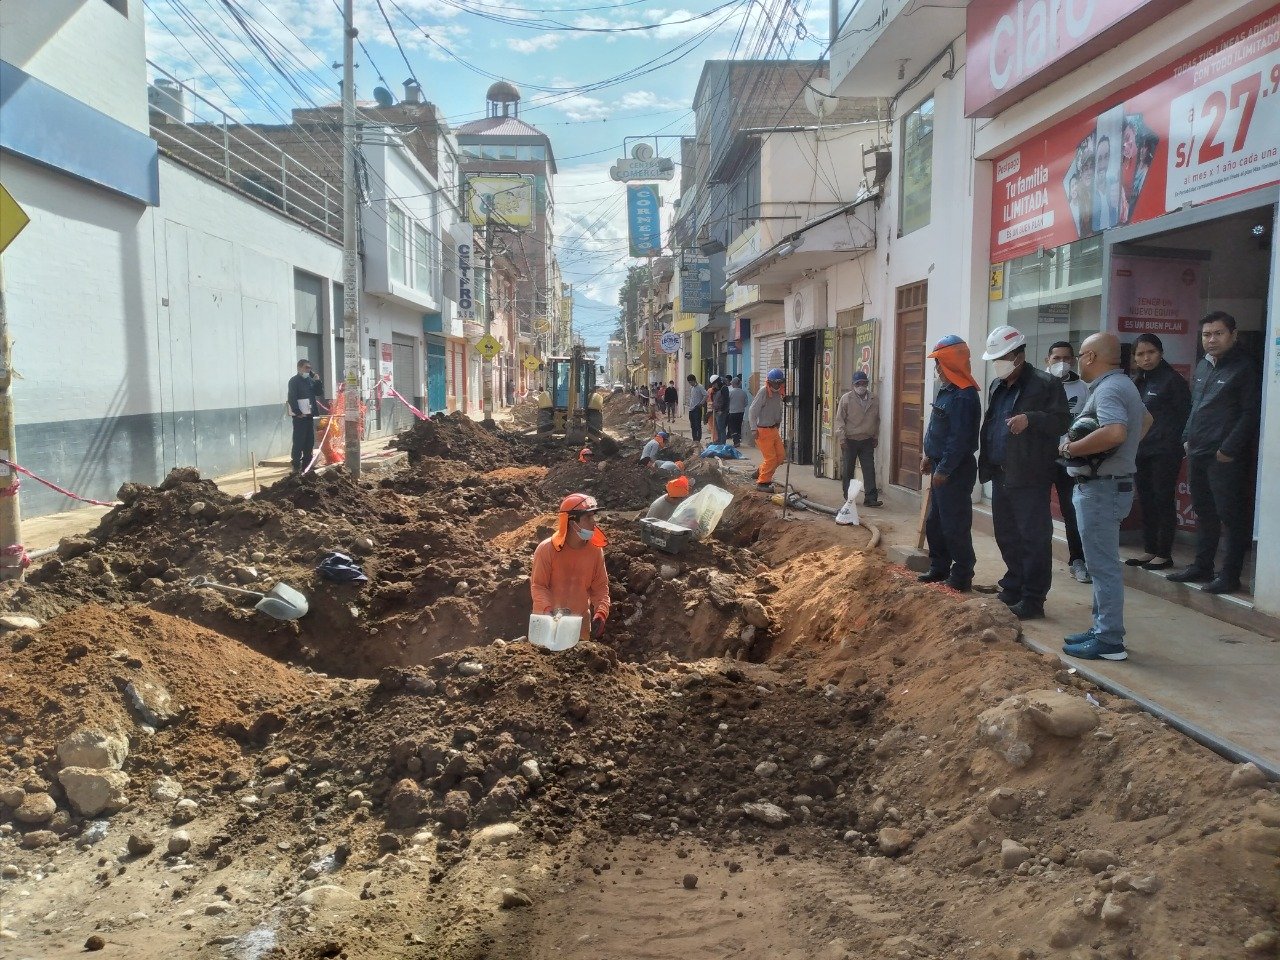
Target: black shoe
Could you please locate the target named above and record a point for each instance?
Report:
(931, 576)
(1190, 575)
(873, 503)
(1221, 585)
(1028, 610)
(1158, 564)
(1008, 598)
(959, 586)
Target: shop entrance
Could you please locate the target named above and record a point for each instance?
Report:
(1164, 282)
(908, 385)
(802, 361)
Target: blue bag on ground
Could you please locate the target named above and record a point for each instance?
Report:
(723, 451)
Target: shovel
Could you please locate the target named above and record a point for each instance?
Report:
(281, 602)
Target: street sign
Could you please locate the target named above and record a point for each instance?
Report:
(642, 165)
(670, 342)
(488, 346)
(12, 218)
(531, 363)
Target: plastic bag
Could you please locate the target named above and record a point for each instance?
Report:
(848, 514)
(723, 451)
(702, 511)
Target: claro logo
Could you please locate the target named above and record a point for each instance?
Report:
(1034, 34)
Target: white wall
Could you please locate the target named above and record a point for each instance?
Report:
(85, 48)
(398, 176)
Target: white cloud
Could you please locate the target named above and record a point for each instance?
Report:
(543, 41)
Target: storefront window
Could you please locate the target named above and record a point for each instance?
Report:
(1052, 295)
(916, 181)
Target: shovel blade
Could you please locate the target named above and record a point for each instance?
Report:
(283, 602)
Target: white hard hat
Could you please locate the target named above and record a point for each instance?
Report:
(1002, 341)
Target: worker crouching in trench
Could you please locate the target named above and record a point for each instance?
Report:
(569, 575)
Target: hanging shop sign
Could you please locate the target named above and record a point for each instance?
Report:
(670, 342)
(643, 165)
(463, 235)
(644, 220)
(695, 282)
(864, 343)
(1204, 128)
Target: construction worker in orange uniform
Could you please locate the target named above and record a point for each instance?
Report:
(585, 455)
(568, 567)
(765, 419)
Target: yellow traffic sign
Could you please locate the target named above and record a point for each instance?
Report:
(531, 363)
(488, 346)
(12, 218)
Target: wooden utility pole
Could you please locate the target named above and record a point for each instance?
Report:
(350, 238)
(10, 516)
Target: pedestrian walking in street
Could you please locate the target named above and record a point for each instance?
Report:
(568, 567)
(720, 409)
(765, 419)
(695, 401)
(1168, 399)
(305, 398)
(857, 433)
(1061, 363)
(714, 386)
(1220, 440)
(670, 400)
(1025, 420)
(1104, 462)
(949, 447)
(739, 400)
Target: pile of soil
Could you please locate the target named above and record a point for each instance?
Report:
(457, 437)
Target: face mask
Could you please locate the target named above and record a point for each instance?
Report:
(860, 391)
(586, 534)
(1002, 368)
(1060, 368)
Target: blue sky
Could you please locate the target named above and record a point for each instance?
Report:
(654, 51)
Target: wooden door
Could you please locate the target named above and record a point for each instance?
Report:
(908, 384)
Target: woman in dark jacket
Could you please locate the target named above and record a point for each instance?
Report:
(1168, 400)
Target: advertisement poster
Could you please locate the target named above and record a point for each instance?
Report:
(501, 198)
(864, 341)
(1204, 128)
(385, 369)
(463, 235)
(644, 221)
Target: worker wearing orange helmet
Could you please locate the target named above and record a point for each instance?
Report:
(585, 455)
(568, 567)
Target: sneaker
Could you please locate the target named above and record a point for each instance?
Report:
(958, 585)
(1221, 585)
(1096, 649)
(873, 503)
(1077, 638)
(1009, 598)
(767, 487)
(932, 576)
(1080, 572)
(1190, 575)
(1028, 610)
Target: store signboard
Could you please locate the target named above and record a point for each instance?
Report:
(695, 282)
(1204, 128)
(1015, 47)
(864, 342)
(643, 220)
(828, 380)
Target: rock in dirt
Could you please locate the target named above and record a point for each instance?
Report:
(513, 899)
(17, 621)
(1060, 713)
(1095, 860)
(35, 808)
(1262, 944)
(35, 839)
(406, 804)
(1003, 802)
(185, 810)
(690, 881)
(1117, 909)
(94, 791)
(770, 814)
(1246, 776)
(94, 943)
(766, 768)
(1006, 731)
(93, 749)
(151, 704)
(139, 846)
(496, 833)
(179, 842)
(1013, 854)
(328, 898)
(12, 795)
(894, 841)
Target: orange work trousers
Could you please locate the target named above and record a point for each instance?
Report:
(769, 440)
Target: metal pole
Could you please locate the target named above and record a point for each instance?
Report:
(486, 369)
(350, 264)
(10, 518)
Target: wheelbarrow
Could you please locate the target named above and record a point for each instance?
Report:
(282, 601)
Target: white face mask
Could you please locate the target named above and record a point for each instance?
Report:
(1060, 368)
(860, 390)
(1002, 368)
(586, 534)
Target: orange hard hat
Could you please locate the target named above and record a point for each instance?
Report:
(585, 454)
(679, 487)
(579, 503)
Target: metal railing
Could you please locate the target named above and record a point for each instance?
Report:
(211, 142)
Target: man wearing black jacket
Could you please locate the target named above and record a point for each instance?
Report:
(1220, 438)
(306, 394)
(1026, 416)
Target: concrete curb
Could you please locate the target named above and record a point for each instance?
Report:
(1206, 738)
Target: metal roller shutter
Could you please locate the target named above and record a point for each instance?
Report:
(769, 350)
(403, 379)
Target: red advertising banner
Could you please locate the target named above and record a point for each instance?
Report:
(1203, 128)
(1015, 47)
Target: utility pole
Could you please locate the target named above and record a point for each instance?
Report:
(10, 517)
(350, 262)
(486, 368)
(626, 338)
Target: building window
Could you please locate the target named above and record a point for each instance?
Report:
(397, 244)
(308, 307)
(490, 152)
(506, 151)
(538, 152)
(916, 182)
(424, 260)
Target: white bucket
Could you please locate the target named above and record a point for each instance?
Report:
(554, 632)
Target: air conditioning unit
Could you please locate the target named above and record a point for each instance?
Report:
(805, 308)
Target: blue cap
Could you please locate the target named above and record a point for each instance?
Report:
(860, 377)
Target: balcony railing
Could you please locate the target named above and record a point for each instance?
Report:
(212, 143)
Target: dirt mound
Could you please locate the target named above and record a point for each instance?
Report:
(617, 410)
(456, 436)
(617, 484)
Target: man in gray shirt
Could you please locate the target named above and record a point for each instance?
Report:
(1104, 490)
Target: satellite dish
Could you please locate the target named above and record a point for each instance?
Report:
(385, 99)
(817, 97)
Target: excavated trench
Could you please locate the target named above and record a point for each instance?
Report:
(784, 748)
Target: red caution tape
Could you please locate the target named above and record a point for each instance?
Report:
(19, 551)
(53, 486)
(386, 382)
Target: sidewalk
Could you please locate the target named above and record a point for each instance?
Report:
(1217, 683)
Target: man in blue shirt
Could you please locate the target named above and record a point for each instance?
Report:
(949, 447)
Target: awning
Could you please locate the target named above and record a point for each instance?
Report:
(843, 234)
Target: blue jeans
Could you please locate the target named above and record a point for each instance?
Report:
(949, 525)
(1100, 507)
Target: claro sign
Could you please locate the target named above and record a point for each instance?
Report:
(1015, 47)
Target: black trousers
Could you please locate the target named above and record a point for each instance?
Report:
(1157, 483)
(1024, 533)
(1065, 484)
(1222, 499)
(304, 442)
(948, 528)
(695, 422)
(735, 427)
(863, 452)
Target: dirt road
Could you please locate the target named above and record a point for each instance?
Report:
(783, 748)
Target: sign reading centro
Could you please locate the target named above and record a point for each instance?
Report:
(1018, 46)
(1203, 128)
